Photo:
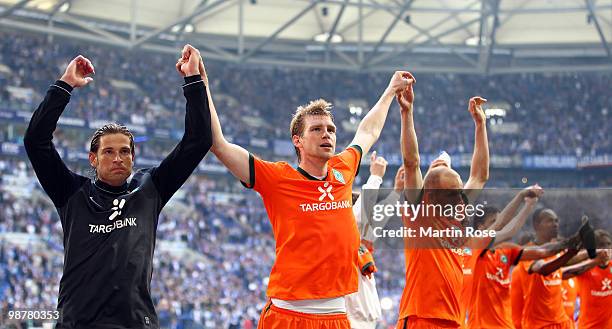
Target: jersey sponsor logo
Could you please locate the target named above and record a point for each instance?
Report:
(117, 208)
(326, 192)
(325, 206)
(498, 276)
(339, 176)
(606, 289)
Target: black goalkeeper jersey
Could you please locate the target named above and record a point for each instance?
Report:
(109, 231)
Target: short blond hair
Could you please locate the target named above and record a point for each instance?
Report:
(319, 107)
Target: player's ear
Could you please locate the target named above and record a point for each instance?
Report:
(93, 160)
(296, 140)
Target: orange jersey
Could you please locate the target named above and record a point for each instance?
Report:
(569, 288)
(469, 263)
(316, 235)
(517, 296)
(434, 277)
(595, 298)
(543, 299)
(491, 303)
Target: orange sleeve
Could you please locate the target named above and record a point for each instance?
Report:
(263, 174)
(514, 255)
(351, 157)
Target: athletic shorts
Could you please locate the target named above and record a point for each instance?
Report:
(420, 323)
(273, 317)
(569, 324)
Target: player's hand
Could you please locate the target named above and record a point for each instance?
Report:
(475, 108)
(189, 62)
(378, 165)
(405, 98)
(77, 72)
(533, 192)
(400, 81)
(399, 180)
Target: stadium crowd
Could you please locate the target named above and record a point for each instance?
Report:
(225, 287)
(256, 101)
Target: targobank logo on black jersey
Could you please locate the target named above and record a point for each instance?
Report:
(117, 208)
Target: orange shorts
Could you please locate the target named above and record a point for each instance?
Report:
(420, 323)
(569, 324)
(273, 317)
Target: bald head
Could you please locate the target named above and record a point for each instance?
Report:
(442, 177)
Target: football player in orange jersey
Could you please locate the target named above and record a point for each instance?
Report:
(490, 306)
(309, 208)
(516, 286)
(434, 274)
(543, 302)
(569, 290)
(594, 280)
(506, 224)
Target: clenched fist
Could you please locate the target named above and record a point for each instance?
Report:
(190, 63)
(400, 81)
(77, 72)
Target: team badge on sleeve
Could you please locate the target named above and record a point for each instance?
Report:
(339, 176)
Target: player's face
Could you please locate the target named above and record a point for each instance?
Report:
(604, 242)
(114, 160)
(489, 220)
(318, 139)
(549, 224)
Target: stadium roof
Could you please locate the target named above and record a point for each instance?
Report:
(462, 36)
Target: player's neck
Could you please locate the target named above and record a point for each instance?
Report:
(314, 167)
(111, 186)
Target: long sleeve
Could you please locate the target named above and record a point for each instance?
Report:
(56, 179)
(174, 170)
(391, 199)
(372, 186)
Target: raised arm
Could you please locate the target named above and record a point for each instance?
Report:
(547, 267)
(479, 170)
(549, 249)
(506, 215)
(174, 170)
(371, 125)
(413, 178)
(56, 179)
(603, 256)
(515, 225)
(234, 157)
